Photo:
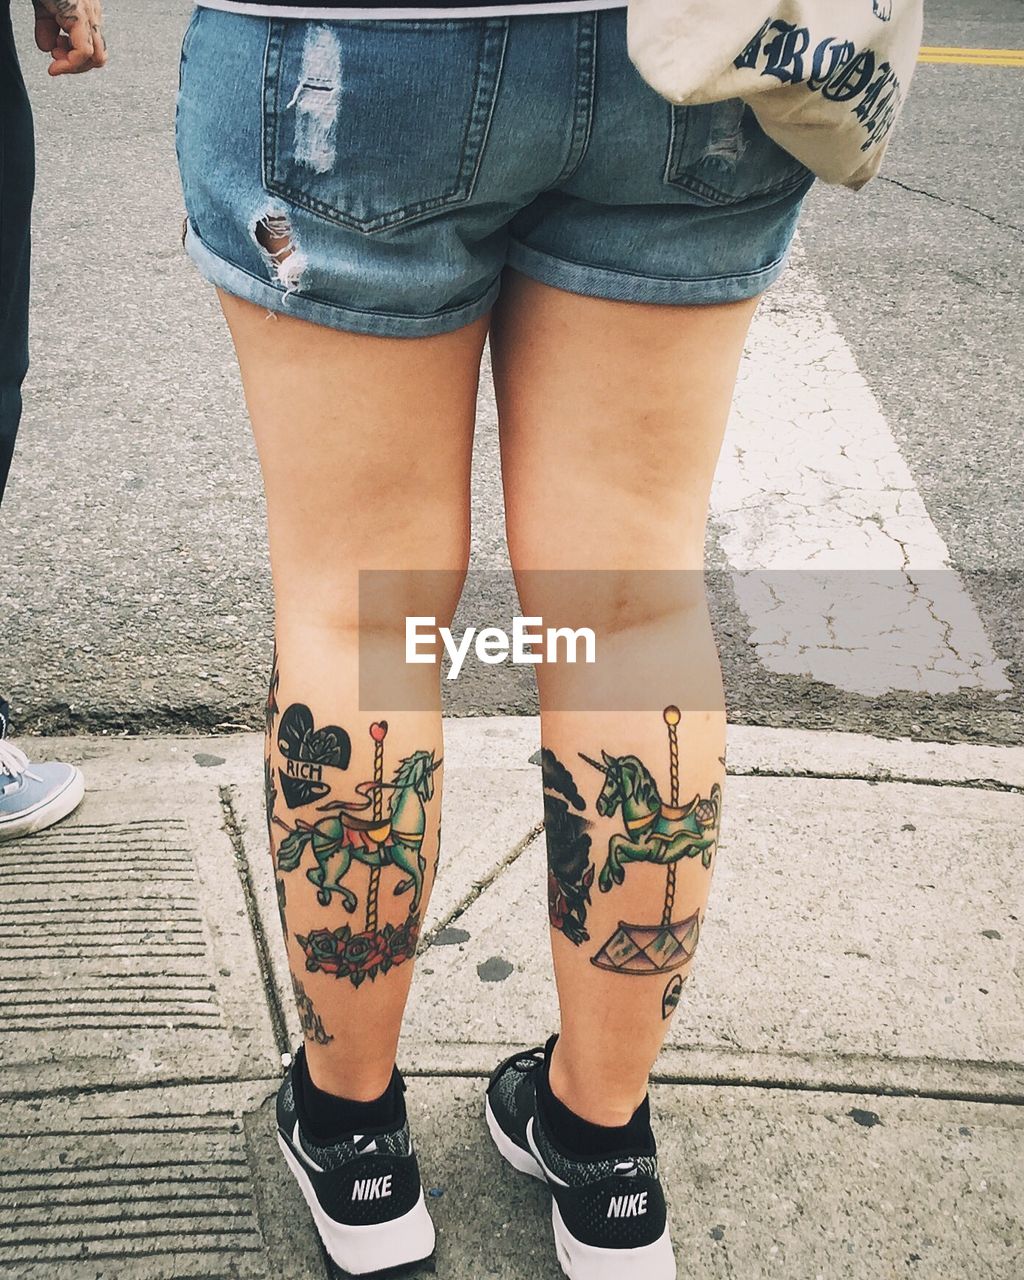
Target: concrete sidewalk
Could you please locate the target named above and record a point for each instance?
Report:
(841, 1095)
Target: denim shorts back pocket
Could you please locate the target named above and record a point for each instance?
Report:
(720, 155)
(371, 123)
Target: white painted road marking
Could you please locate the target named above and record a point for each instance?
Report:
(812, 480)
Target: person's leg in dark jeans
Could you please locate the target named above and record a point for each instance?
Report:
(32, 795)
(17, 175)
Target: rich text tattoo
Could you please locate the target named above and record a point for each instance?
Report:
(570, 871)
(657, 833)
(312, 1023)
(307, 751)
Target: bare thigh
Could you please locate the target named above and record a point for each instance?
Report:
(365, 445)
(611, 417)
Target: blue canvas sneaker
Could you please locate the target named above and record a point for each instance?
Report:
(33, 796)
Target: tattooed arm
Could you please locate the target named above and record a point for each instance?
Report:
(70, 31)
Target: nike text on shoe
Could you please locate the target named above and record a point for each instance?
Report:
(363, 1191)
(34, 796)
(608, 1213)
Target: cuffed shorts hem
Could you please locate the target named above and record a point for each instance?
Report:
(240, 283)
(628, 286)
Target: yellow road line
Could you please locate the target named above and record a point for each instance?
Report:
(981, 53)
(975, 62)
(952, 56)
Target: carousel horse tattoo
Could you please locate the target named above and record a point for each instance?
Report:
(375, 839)
(655, 832)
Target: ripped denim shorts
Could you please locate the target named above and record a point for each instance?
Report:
(378, 174)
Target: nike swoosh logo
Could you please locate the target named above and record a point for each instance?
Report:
(532, 1144)
(308, 1161)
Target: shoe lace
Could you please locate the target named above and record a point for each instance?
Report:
(524, 1062)
(529, 1059)
(14, 762)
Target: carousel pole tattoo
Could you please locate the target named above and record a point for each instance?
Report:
(672, 717)
(378, 732)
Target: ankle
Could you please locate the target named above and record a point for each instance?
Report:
(599, 1102)
(357, 1081)
(582, 1139)
(328, 1116)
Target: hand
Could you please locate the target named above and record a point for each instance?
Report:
(70, 31)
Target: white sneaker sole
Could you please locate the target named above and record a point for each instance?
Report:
(581, 1261)
(47, 812)
(361, 1251)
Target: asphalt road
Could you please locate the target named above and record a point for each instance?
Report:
(133, 584)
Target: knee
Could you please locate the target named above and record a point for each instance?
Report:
(372, 587)
(615, 602)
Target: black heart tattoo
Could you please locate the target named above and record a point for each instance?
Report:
(306, 751)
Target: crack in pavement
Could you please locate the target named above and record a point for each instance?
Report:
(884, 776)
(480, 887)
(954, 204)
(233, 829)
(767, 1083)
(867, 1090)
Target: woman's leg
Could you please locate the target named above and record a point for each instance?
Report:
(611, 418)
(17, 177)
(365, 445)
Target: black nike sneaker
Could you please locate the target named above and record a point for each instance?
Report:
(364, 1192)
(608, 1213)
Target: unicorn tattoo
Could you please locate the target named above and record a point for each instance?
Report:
(655, 831)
